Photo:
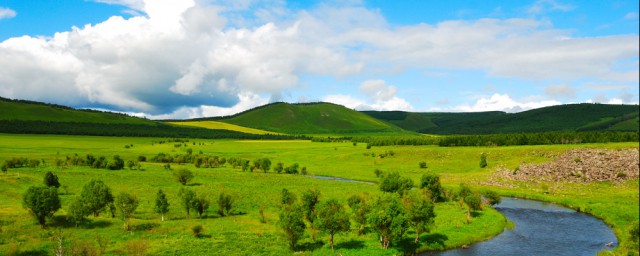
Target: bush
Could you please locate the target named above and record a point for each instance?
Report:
(183, 176)
(4, 168)
(136, 247)
(142, 158)
(51, 180)
(483, 160)
(492, 197)
(197, 230)
(423, 165)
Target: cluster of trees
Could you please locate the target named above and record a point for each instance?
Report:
(17, 162)
(100, 162)
(96, 197)
(543, 138)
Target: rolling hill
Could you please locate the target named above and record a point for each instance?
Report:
(308, 118)
(562, 118)
(30, 117)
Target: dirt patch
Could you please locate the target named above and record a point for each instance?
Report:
(578, 165)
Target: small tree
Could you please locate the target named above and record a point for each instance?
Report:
(422, 165)
(292, 223)
(225, 204)
(492, 197)
(77, 211)
(420, 214)
(483, 160)
(332, 218)
(187, 197)
(197, 230)
(287, 198)
(200, 204)
(126, 204)
(310, 199)
(183, 176)
(131, 164)
(4, 167)
(96, 196)
(387, 218)
(359, 208)
(431, 184)
(473, 203)
(42, 202)
(279, 167)
(116, 164)
(394, 183)
(51, 180)
(162, 204)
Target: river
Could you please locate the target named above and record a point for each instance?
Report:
(542, 229)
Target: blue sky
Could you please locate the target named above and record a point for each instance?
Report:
(192, 58)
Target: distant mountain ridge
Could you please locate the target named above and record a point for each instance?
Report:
(560, 118)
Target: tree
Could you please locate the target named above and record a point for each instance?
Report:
(492, 197)
(116, 164)
(279, 167)
(310, 199)
(483, 160)
(287, 198)
(200, 204)
(162, 204)
(394, 183)
(42, 202)
(126, 204)
(51, 180)
(96, 196)
(187, 198)
(387, 218)
(263, 164)
(430, 182)
(225, 204)
(4, 167)
(292, 223)
(420, 214)
(332, 218)
(292, 169)
(473, 203)
(359, 208)
(77, 211)
(183, 176)
(131, 164)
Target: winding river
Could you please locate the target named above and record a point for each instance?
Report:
(543, 229)
(540, 229)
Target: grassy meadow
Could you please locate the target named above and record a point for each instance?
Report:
(243, 233)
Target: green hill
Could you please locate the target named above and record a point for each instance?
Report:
(36, 111)
(562, 118)
(309, 118)
(30, 117)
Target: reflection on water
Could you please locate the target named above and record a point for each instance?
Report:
(542, 229)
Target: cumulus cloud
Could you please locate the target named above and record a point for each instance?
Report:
(191, 56)
(503, 102)
(560, 91)
(7, 13)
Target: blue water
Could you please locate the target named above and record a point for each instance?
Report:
(542, 229)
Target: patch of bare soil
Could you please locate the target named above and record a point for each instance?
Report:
(578, 165)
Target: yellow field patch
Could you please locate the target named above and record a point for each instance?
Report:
(224, 126)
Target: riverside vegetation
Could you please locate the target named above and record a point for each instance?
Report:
(242, 208)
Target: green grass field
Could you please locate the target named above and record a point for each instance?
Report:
(243, 233)
(222, 126)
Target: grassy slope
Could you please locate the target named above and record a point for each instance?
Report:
(221, 126)
(574, 117)
(318, 118)
(34, 111)
(237, 235)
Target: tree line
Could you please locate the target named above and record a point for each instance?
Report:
(511, 139)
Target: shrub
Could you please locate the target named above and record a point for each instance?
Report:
(51, 180)
(423, 165)
(197, 230)
(136, 247)
(142, 158)
(483, 160)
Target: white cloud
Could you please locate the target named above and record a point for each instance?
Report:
(503, 102)
(631, 16)
(189, 54)
(560, 91)
(347, 101)
(543, 6)
(7, 13)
